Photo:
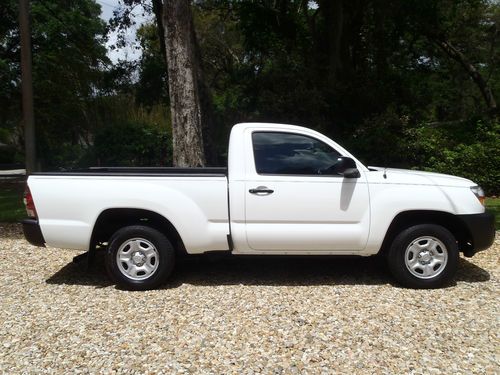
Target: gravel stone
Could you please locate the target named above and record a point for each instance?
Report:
(244, 315)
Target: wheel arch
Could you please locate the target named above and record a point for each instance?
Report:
(112, 219)
(447, 220)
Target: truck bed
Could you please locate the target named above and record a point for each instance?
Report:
(69, 203)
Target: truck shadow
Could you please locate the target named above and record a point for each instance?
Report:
(269, 271)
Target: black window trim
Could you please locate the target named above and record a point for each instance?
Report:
(291, 175)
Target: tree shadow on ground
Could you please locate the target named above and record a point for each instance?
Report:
(264, 270)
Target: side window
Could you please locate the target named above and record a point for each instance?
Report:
(291, 154)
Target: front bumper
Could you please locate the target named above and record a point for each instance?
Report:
(32, 232)
(482, 231)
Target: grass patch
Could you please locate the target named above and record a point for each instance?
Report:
(11, 203)
(493, 205)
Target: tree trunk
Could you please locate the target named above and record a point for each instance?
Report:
(333, 14)
(471, 70)
(184, 73)
(160, 29)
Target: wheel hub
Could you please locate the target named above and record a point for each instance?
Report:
(425, 257)
(138, 258)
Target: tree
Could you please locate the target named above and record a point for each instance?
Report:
(27, 88)
(465, 31)
(184, 79)
(69, 57)
(190, 99)
(10, 75)
(471, 70)
(363, 72)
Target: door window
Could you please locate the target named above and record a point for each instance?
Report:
(291, 154)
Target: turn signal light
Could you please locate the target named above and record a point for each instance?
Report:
(479, 193)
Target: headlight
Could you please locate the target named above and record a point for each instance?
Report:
(479, 193)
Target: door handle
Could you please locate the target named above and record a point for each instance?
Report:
(261, 190)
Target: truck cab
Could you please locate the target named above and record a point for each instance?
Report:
(286, 199)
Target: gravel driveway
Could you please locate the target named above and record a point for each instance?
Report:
(240, 315)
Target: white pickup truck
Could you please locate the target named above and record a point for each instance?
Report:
(287, 190)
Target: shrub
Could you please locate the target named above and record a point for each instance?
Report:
(380, 141)
(470, 149)
(132, 144)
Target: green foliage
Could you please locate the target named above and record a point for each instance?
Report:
(7, 155)
(9, 70)
(374, 79)
(277, 61)
(132, 144)
(152, 86)
(381, 140)
(470, 149)
(493, 205)
(11, 203)
(69, 57)
(387, 91)
(129, 135)
(122, 134)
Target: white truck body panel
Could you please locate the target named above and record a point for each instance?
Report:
(408, 190)
(71, 204)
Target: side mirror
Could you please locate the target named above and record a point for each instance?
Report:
(345, 166)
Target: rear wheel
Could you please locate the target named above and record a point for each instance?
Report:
(139, 257)
(423, 256)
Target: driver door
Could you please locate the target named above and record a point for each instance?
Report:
(291, 205)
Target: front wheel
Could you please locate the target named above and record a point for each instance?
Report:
(139, 257)
(423, 256)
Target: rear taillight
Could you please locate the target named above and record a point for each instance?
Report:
(29, 203)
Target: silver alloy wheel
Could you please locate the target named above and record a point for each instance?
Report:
(137, 259)
(426, 257)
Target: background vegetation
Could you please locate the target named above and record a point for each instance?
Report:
(390, 80)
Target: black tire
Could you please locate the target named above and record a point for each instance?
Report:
(154, 253)
(428, 267)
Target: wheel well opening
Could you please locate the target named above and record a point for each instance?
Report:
(409, 218)
(111, 220)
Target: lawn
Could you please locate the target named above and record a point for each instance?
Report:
(493, 205)
(11, 203)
